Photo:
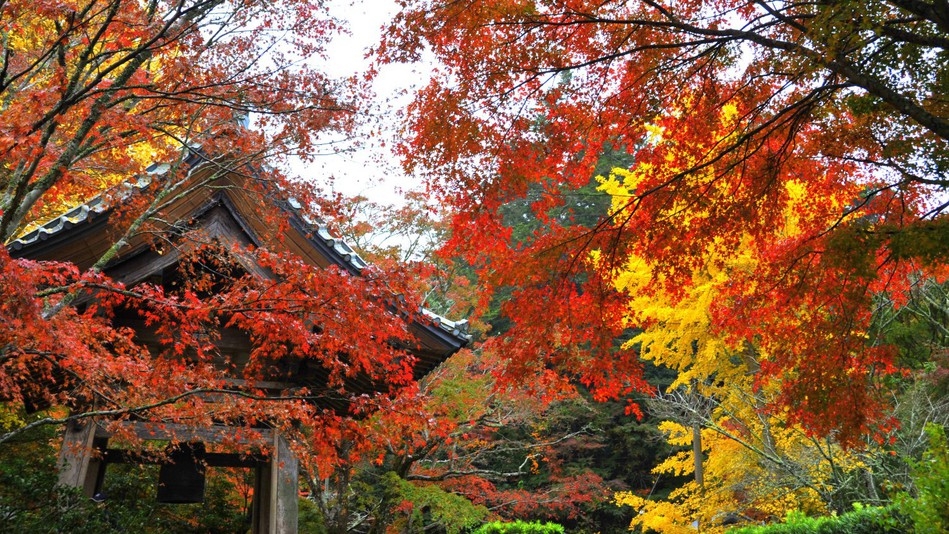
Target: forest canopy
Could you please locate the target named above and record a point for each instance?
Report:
(798, 147)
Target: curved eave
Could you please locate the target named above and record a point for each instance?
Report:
(81, 235)
(450, 336)
(84, 226)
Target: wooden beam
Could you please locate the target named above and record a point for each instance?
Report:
(149, 431)
(211, 459)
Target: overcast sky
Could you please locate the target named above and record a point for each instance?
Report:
(372, 171)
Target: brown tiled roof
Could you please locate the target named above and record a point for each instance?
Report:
(438, 335)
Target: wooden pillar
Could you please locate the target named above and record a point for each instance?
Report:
(276, 490)
(79, 464)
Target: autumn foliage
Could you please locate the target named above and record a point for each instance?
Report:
(123, 110)
(768, 182)
(774, 136)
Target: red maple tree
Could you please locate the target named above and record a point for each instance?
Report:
(124, 138)
(843, 100)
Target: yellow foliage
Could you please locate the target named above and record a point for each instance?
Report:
(738, 482)
(679, 332)
(119, 150)
(678, 464)
(656, 516)
(755, 465)
(10, 418)
(89, 182)
(676, 434)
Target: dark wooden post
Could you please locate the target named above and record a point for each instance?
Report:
(276, 491)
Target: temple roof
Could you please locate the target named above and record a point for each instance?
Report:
(82, 234)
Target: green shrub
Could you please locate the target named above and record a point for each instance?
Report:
(433, 505)
(929, 510)
(862, 520)
(519, 527)
(310, 519)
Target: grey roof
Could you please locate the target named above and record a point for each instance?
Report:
(64, 222)
(456, 328)
(99, 205)
(338, 244)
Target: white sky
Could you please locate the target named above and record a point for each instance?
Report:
(371, 170)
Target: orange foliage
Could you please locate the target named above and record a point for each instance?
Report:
(142, 105)
(543, 89)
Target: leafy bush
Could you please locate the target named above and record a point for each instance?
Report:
(930, 509)
(309, 518)
(519, 527)
(862, 520)
(430, 504)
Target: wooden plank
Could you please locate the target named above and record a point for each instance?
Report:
(276, 492)
(270, 385)
(261, 506)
